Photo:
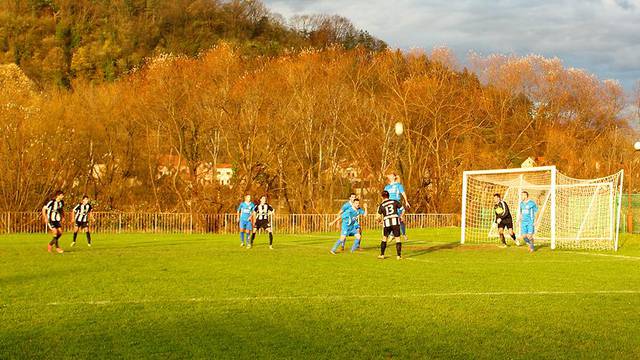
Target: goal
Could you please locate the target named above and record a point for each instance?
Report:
(572, 213)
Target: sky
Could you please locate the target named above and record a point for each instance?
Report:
(600, 36)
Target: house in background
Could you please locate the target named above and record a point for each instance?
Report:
(169, 164)
(533, 162)
(224, 173)
(361, 180)
(205, 171)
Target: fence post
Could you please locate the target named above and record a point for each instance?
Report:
(155, 222)
(119, 223)
(8, 223)
(191, 223)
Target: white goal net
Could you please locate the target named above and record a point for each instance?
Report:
(572, 213)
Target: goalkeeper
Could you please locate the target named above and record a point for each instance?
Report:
(503, 219)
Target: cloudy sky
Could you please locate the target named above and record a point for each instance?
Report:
(602, 36)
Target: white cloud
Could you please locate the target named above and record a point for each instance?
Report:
(601, 36)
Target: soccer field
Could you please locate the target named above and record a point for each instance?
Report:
(203, 296)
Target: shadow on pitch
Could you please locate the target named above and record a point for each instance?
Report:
(416, 251)
(410, 250)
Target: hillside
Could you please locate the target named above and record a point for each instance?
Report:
(58, 41)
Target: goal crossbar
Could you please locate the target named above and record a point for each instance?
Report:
(510, 171)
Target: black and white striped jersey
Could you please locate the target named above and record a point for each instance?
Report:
(262, 211)
(54, 210)
(82, 212)
(389, 211)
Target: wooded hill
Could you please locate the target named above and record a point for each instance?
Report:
(58, 41)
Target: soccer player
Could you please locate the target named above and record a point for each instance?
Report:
(350, 225)
(358, 242)
(395, 189)
(347, 205)
(388, 212)
(503, 219)
(53, 214)
(263, 213)
(245, 213)
(528, 210)
(81, 214)
(403, 225)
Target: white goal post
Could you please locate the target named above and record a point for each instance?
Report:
(572, 213)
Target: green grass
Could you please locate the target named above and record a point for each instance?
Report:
(202, 296)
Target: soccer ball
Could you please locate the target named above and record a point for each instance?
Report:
(635, 146)
(399, 128)
(499, 210)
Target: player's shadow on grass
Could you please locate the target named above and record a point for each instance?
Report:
(415, 251)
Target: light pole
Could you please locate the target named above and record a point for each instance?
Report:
(636, 148)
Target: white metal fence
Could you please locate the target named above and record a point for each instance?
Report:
(123, 222)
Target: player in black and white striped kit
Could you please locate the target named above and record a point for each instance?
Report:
(81, 214)
(53, 214)
(263, 213)
(389, 212)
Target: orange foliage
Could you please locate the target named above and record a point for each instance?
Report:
(292, 125)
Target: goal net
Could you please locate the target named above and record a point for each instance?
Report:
(572, 213)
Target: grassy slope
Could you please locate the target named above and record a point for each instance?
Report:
(183, 296)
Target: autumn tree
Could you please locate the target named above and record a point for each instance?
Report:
(305, 127)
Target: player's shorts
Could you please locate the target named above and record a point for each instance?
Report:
(82, 224)
(54, 225)
(506, 223)
(403, 228)
(263, 224)
(388, 230)
(349, 230)
(527, 229)
(246, 225)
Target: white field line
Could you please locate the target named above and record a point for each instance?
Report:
(627, 257)
(347, 297)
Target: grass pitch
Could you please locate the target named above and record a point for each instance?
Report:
(203, 296)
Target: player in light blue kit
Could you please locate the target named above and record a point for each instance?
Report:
(528, 210)
(357, 242)
(346, 206)
(396, 190)
(350, 225)
(245, 214)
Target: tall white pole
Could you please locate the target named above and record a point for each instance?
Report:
(553, 207)
(615, 245)
(612, 213)
(518, 215)
(463, 221)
